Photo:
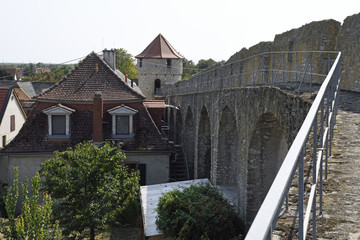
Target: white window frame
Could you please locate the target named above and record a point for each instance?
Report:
(122, 111)
(59, 110)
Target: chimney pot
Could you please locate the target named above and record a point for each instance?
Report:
(110, 57)
(126, 80)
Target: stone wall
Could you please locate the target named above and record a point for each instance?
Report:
(348, 42)
(259, 65)
(221, 126)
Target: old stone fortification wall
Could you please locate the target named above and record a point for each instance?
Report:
(242, 69)
(218, 127)
(348, 42)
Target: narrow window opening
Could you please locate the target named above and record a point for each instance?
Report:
(12, 123)
(168, 63)
(157, 86)
(3, 141)
(140, 62)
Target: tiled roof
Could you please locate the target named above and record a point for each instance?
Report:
(21, 94)
(34, 88)
(92, 75)
(160, 48)
(155, 104)
(4, 98)
(33, 137)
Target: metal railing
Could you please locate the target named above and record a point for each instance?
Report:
(317, 130)
(285, 68)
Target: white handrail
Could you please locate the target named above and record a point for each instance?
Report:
(263, 221)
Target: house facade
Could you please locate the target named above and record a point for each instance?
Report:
(12, 115)
(157, 65)
(94, 102)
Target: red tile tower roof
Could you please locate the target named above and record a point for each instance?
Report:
(160, 48)
(92, 75)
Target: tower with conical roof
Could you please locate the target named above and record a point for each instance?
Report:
(157, 65)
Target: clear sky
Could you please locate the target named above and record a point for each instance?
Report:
(52, 31)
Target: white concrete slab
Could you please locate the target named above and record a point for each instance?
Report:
(149, 197)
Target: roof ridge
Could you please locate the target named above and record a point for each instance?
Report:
(117, 76)
(160, 48)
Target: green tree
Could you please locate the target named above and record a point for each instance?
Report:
(203, 64)
(34, 223)
(29, 70)
(197, 212)
(55, 75)
(4, 75)
(126, 63)
(189, 69)
(90, 185)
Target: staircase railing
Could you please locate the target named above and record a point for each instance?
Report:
(318, 127)
(167, 127)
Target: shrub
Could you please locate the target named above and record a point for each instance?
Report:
(34, 223)
(197, 212)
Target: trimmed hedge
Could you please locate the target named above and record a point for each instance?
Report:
(198, 212)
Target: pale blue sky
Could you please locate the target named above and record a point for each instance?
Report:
(58, 31)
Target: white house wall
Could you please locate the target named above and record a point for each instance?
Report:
(13, 108)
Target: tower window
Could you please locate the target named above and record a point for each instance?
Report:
(168, 63)
(157, 87)
(140, 62)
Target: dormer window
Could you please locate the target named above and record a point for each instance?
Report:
(122, 121)
(58, 120)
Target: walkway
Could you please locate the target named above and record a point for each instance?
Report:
(341, 210)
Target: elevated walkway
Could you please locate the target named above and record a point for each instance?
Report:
(341, 209)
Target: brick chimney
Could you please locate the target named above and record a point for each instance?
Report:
(97, 118)
(110, 57)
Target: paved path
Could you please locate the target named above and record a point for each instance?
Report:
(341, 211)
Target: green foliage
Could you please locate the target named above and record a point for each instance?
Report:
(29, 70)
(90, 186)
(126, 63)
(190, 68)
(35, 221)
(197, 212)
(55, 75)
(203, 64)
(4, 75)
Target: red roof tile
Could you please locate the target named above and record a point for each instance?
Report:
(92, 75)
(160, 48)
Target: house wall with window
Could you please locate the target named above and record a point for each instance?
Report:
(12, 120)
(80, 126)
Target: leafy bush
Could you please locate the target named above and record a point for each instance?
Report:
(34, 223)
(197, 212)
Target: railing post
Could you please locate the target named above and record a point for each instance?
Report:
(311, 70)
(296, 71)
(322, 153)
(314, 176)
(301, 193)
